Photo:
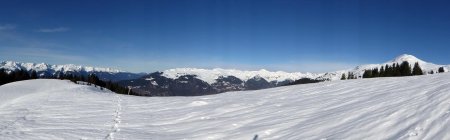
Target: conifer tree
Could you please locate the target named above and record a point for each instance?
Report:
(417, 70)
(34, 75)
(441, 70)
(396, 70)
(387, 71)
(431, 72)
(351, 75)
(405, 69)
(343, 77)
(21, 75)
(382, 72)
(367, 74)
(375, 72)
(3, 77)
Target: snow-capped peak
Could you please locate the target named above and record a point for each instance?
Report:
(406, 57)
(11, 65)
(210, 75)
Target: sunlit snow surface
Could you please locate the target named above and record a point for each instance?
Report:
(385, 108)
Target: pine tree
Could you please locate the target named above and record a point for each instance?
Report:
(343, 77)
(23, 75)
(405, 69)
(375, 73)
(388, 71)
(431, 72)
(396, 70)
(441, 70)
(351, 75)
(34, 75)
(82, 78)
(417, 70)
(367, 74)
(382, 72)
(3, 77)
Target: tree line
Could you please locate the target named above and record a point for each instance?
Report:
(303, 81)
(350, 75)
(403, 69)
(90, 79)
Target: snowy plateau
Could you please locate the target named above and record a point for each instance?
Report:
(415, 108)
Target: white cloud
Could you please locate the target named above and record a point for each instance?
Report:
(7, 27)
(53, 30)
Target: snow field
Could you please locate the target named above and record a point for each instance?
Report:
(416, 107)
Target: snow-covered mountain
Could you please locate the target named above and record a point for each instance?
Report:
(45, 70)
(415, 107)
(359, 70)
(211, 75)
(11, 65)
(193, 81)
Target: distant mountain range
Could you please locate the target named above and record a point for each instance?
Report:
(359, 70)
(194, 81)
(47, 70)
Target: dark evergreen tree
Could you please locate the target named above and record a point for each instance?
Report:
(417, 70)
(431, 72)
(23, 75)
(4, 77)
(367, 74)
(34, 75)
(389, 71)
(351, 75)
(396, 70)
(82, 78)
(382, 72)
(405, 69)
(441, 70)
(375, 73)
(343, 77)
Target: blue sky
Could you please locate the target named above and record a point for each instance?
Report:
(297, 35)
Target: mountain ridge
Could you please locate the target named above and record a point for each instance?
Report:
(49, 70)
(210, 75)
(197, 81)
(13, 65)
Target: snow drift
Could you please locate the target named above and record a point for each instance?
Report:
(416, 107)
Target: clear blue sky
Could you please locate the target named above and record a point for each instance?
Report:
(297, 35)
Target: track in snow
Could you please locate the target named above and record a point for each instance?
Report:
(116, 122)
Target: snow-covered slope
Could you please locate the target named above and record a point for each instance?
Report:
(416, 107)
